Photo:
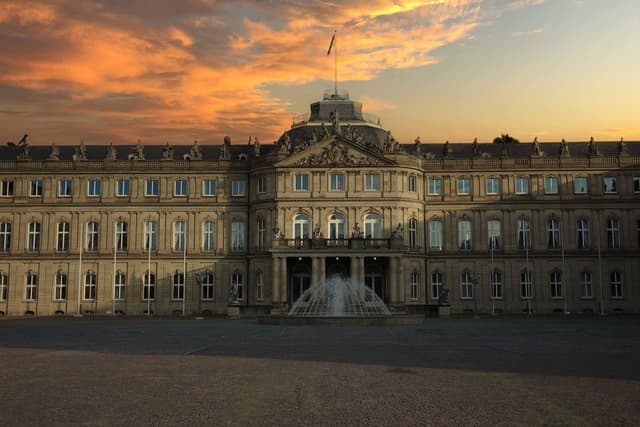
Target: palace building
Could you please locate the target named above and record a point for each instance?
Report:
(500, 227)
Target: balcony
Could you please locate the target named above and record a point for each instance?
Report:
(339, 244)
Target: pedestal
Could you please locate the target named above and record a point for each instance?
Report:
(444, 311)
(233, 311)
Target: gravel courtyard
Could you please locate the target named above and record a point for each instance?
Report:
(166, 371)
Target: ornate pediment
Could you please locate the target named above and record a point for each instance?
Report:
(335, 151)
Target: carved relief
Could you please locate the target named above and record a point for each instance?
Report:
(336, 154)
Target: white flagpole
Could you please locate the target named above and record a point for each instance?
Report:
(563, 282)
(492, 278)
(600, 270)
(80, 268)
(184, 270)
(149, 240)
(336, 63)
(115, 271)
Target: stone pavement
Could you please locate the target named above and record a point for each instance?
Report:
(165, 371)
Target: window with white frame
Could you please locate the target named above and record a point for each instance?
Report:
(337, 226)
(4, 286)
(413, 184)
(261, 184)
(90, 285)
(586, 284)
(32, 287)
(237, 236)
(372, 226)
(413, 285)
(494, 228)
(179, 235)
(434, 186)
(301, 182)
(553, 233)
(237, 187)
(261, 234)
(177, 289)
(493, 185)
(615, 284)
(5, 236)
(372, 182)
(33, 236)
(237, 282)
(613, 233)
(524, 234)
(413, 233)
(181, 188)
(123, 187)
(6, 188)
(150, 235)
(208, 236)
(464, 235)
(210, 187)
(65, 188)
(463, 186)
(94, 188)
(435, 235)
(301, 226)
(550, 185)
(60, 293)
(522, 185)
(151, 188)
(609, 184)
(62, 241)
(526, 286)
(436, 284)
(636, 184)
(92, 236)
(259, 286)
(122, 235)
(555, 282)
(496, 285)
(584, 239)
(37, 188)
(149, 286)
(336, 182)
(580, 185)
(466, 285)
(207, 284)
(120, 286)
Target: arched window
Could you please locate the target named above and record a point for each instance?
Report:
(237, 282)
(62, 241)
(262, 232)
(90, 285)
(150, 236)
(301, 226)
(120, 284)
(413, 285)
(526, 288)
(33, 236)
(337, 226)
(494, 228)
(413, 233)
(207, 285)
(524, 234)
(5, 236)
(496, 284)
(553, 233)
(61, 286)
(122, 236)
(179, 235)
(372, 226)
(613, 233)
(464, 235)
(584, 240)
(177, 290)
(208, 236)
(436, 284)
(149, 286)
(92, 236)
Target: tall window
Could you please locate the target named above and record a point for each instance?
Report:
(122, 235)
(301, 182)
(555, 281)
(32, 287)
(261, 234)
(464, 186)
(494, 228)
(62, 242)
(493, 185)
(261, 184)
(638, 232)
(372, 182)
(615, 283)
(5, 236)
(90, 285)
(496, 285)
(551, 185)
(61, 286)
(181, 188)
(208, 236)
(586, 284)
(413, 233)
(413, 285)
(177, 290)
(466, 285)
(609, 184)
(553, 233)
(526, 288)
(372, 226)
(413, 183)
(65, 188)
(37, 188)
(207, 287)
(120, 284)
(336, 226)
(6, 188)
(151, 188)
(237, 187)
(436, 284)
(336, 182)
(33, 236)
(613, 233)
(584, 240)
(581, 185)
(92, 236)
(259, 286)
(524, 234)
(301, 226)
(149, 286)
(94, 188)
(4, 286)
(434, 186)
(464, 235)
(237, 236)
(123, 188)
(237, 281)
(522, 185)
(179, 234)
(210, 187)
(435, 235)
(150, 236)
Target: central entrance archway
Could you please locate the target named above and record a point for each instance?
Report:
(300, 281)
(339, 267)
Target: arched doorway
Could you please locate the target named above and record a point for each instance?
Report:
(374, 280)
(300, 281)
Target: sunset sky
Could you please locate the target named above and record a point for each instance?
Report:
(174, 71)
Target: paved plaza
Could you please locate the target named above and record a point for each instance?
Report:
(165, 371)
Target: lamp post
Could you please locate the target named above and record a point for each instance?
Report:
(475, 280)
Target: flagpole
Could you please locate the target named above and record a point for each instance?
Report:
(149, 268)
(115, 271)
(600, 269)
(336, 64)
(184, 270)
(80, 269)
(492, 293)
(563, 283)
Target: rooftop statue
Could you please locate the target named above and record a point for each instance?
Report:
(335, 121)
(194, 152)
(447, 149)
(256, 146)
(418, 145)
(167, 152)
(475, 147)
(537, 150)
(137, 153)
(80, 152)
(564, 148)
(111, 152)
(623, 149)
(23, 145)
(225, 150)
(593, 148)
(54, 153)
(284, 145)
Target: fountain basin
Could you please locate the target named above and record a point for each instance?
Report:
(393, 320)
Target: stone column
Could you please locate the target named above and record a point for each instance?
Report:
(400, 281)
(322, 276)
(275, 281)
(315, 271)
(283, 280)
(354, 270)
(393, 279)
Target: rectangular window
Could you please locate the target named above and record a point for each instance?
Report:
(92, 236)
(372, 182)
(5, 236)
(522, 185)
(210, 187)
(6, 189)
(61, 287)
(94, 188)
(177, 290)
(4, 286)
(613, 234)
(435, 186)
(436, 285)
(584, 239)
(179, 235)
(435, 235)
(120, 286)
(413, 286)
(301, 182)
(122, 236)
(336, 182)
(207, 287)
(609, 185)
(150, 236)
(32, 287)
(122, 188)
(149, 287)
(636, 184)
(493, 185)
(260, 236)
(151, 188)
(494, 228)
(413, 233)
(64, 188)
(526, 288)
(466, 286)
(237, 236)
(553, 233)
(181, 188)
(261, 184)
(464, 235)
(237, 283)
(37, 188)
(524, 234)
(62, 242)
(413, 183)
(259, 286)
(555, 281)
(464, 186)
(580, 185)
(586, 285)
(237, 188)
(208, 236)
(496, 285)
(33, 237)
(615, 282)
(90, 285)
(550, 185)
